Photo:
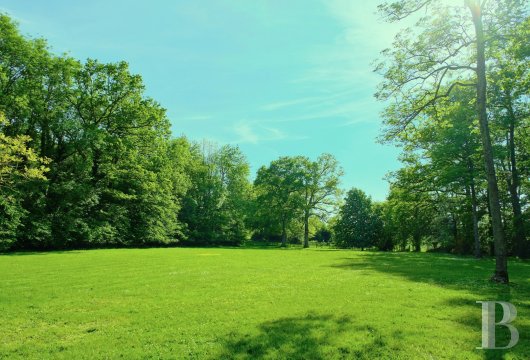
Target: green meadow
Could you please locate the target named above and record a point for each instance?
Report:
(219, 303)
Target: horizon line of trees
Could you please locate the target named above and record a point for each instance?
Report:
(87, 160)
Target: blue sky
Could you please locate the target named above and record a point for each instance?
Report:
(274, 77)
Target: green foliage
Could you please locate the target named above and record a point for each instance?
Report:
(357, 225)
(293, 191)
(442, 177)
(382, 226)
(216, 206)
(115, 177)
(19, 164)
(323, 235)
(320, 189)
(456, 90)
(278, 188)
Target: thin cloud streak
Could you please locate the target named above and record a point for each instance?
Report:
(285, 104)
(254, 132)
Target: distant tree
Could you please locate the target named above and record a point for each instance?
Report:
(278, 190)
(215, 207)
(411, 212)
(320, 189)
(356, 225)
(382, 226)
(323, 235)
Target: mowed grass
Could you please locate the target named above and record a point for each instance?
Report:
(252, 304)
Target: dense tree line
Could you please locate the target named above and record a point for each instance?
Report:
(86, 159)
(216, 206)
(458, 85)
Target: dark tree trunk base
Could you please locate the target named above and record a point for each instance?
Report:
(500, 278)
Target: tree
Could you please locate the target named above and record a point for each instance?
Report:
(444, 55)
(216, 205)
(18, 163)
(357, 224)
(411, 206)
(323, 235)
(510, 84)
(21, 78)
(444, 150)
(320, 188)
(382, 226)
(278, 190)
(114, 175)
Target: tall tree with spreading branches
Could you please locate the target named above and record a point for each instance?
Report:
(445, 50)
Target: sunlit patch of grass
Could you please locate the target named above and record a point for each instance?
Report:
(252, 304)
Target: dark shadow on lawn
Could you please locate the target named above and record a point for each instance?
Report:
(44, 252)
(455, 272)
(306, 337)
(277, 246)
(466, 274)
(246, 246)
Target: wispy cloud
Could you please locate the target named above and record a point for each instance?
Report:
(254, 132)
(345, 62)
(340, 79)
(284, 104)
(246, 133)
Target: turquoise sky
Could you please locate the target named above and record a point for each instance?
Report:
(290, 77)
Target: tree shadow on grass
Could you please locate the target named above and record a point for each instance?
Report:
(465, 274)
(262, 245)
(44, 252)
(455, 272)
(315, 337)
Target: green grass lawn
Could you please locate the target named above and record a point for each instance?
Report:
(252, 304)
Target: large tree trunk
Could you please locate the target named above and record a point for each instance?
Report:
(306, 229)
(521, 247)
(501, 264)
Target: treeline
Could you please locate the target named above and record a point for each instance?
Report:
(87, 160)
(457, 93)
